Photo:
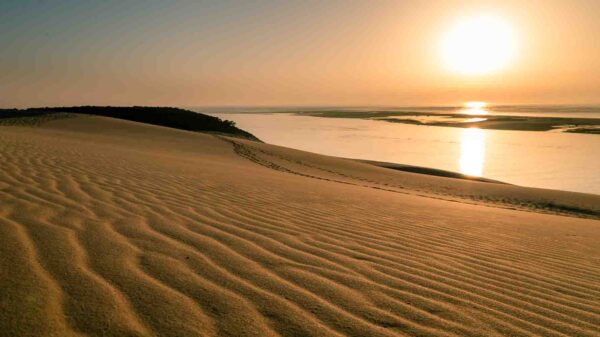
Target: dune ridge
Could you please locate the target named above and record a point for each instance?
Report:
(105, 233)
(418, 182)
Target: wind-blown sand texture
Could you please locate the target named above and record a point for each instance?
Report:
(114, 228)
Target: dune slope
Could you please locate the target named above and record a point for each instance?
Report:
(114, 228)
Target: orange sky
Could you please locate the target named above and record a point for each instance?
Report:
(293, 53)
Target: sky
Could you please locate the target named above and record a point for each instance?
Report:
(282, 53)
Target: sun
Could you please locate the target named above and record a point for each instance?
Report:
(478, 45)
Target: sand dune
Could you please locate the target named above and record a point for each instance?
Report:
(114, 228)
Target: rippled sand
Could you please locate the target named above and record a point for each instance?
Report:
(113, 228)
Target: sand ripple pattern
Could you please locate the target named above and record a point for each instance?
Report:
(182, 237)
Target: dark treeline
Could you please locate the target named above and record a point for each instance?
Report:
(163, 116)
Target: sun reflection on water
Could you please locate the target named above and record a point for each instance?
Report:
(475, 108)
(472, 152)
(475, 111)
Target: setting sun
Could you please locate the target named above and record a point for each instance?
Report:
(478, 45)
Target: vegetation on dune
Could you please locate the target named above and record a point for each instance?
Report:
(8, 119)
(163, 116)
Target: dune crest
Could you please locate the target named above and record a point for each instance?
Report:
(115, 228)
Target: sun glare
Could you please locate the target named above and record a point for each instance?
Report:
(475, 105)
(478, 45)
(475, 108)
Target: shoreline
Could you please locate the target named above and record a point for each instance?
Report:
(428, 171)
(563, 161)
(481, 121)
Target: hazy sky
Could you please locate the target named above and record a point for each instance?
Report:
(194, 53)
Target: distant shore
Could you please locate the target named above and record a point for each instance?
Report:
(481, 121)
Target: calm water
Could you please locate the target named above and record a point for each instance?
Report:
(538, 159)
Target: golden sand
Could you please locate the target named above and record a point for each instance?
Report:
(114, 228)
